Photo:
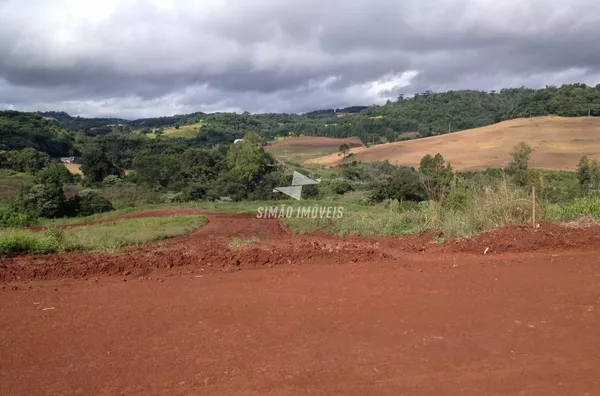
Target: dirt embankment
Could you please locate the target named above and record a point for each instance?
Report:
(231, 242)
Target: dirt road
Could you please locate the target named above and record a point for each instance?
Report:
(309, 315)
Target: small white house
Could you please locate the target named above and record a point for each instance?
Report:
(67, 160)
(237, 141)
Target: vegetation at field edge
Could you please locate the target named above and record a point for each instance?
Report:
(104, 237)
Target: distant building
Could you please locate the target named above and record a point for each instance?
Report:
(67, 160)
(237, 141)
(341, 115)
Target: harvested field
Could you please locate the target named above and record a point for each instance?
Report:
(312, 314)
(74, 169)
(304, 148)
(558, 142)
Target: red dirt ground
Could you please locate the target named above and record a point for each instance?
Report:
(307, 315)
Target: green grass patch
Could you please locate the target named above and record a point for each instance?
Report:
(104, 237)
(184, 131)
(11, 218)
(583, 207)
(21, 241)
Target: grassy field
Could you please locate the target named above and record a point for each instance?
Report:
(301, 149)
(558, 142)
(105, 237)
(184, 131)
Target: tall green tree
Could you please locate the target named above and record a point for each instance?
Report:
(95, 164)
(519, 164)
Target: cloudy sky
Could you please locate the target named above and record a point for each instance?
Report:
(144, 58)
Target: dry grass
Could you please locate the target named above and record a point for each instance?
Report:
(558, 142)
(74, 169)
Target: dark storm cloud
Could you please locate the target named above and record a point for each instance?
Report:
(155, 57)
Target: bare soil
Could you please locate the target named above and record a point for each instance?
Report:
(307, 315)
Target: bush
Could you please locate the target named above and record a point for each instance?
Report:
(89, 202)
(112, 180)
(402, 183)
(196, 192)
(340, 186)
(171, 197)
(20, 241)
(12, 218)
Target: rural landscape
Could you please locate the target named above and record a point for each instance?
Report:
(133, 259)
(299, 198)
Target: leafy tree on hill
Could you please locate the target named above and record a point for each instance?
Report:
(27, 160)
(56, 174)
(344, 148)
(96, 166)
(435, 164)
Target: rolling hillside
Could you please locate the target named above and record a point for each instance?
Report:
(558, 142)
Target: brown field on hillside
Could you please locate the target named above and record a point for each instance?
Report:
(559, 143)
(304, 148)
(74, 169)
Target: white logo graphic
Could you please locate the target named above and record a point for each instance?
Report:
(295, 191)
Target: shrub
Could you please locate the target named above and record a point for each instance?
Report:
(21, 241)
(111, 181)
(172, 196)
(196, 192)
(340, 186)
(89, 202)
(402, 183)
(12, 218)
